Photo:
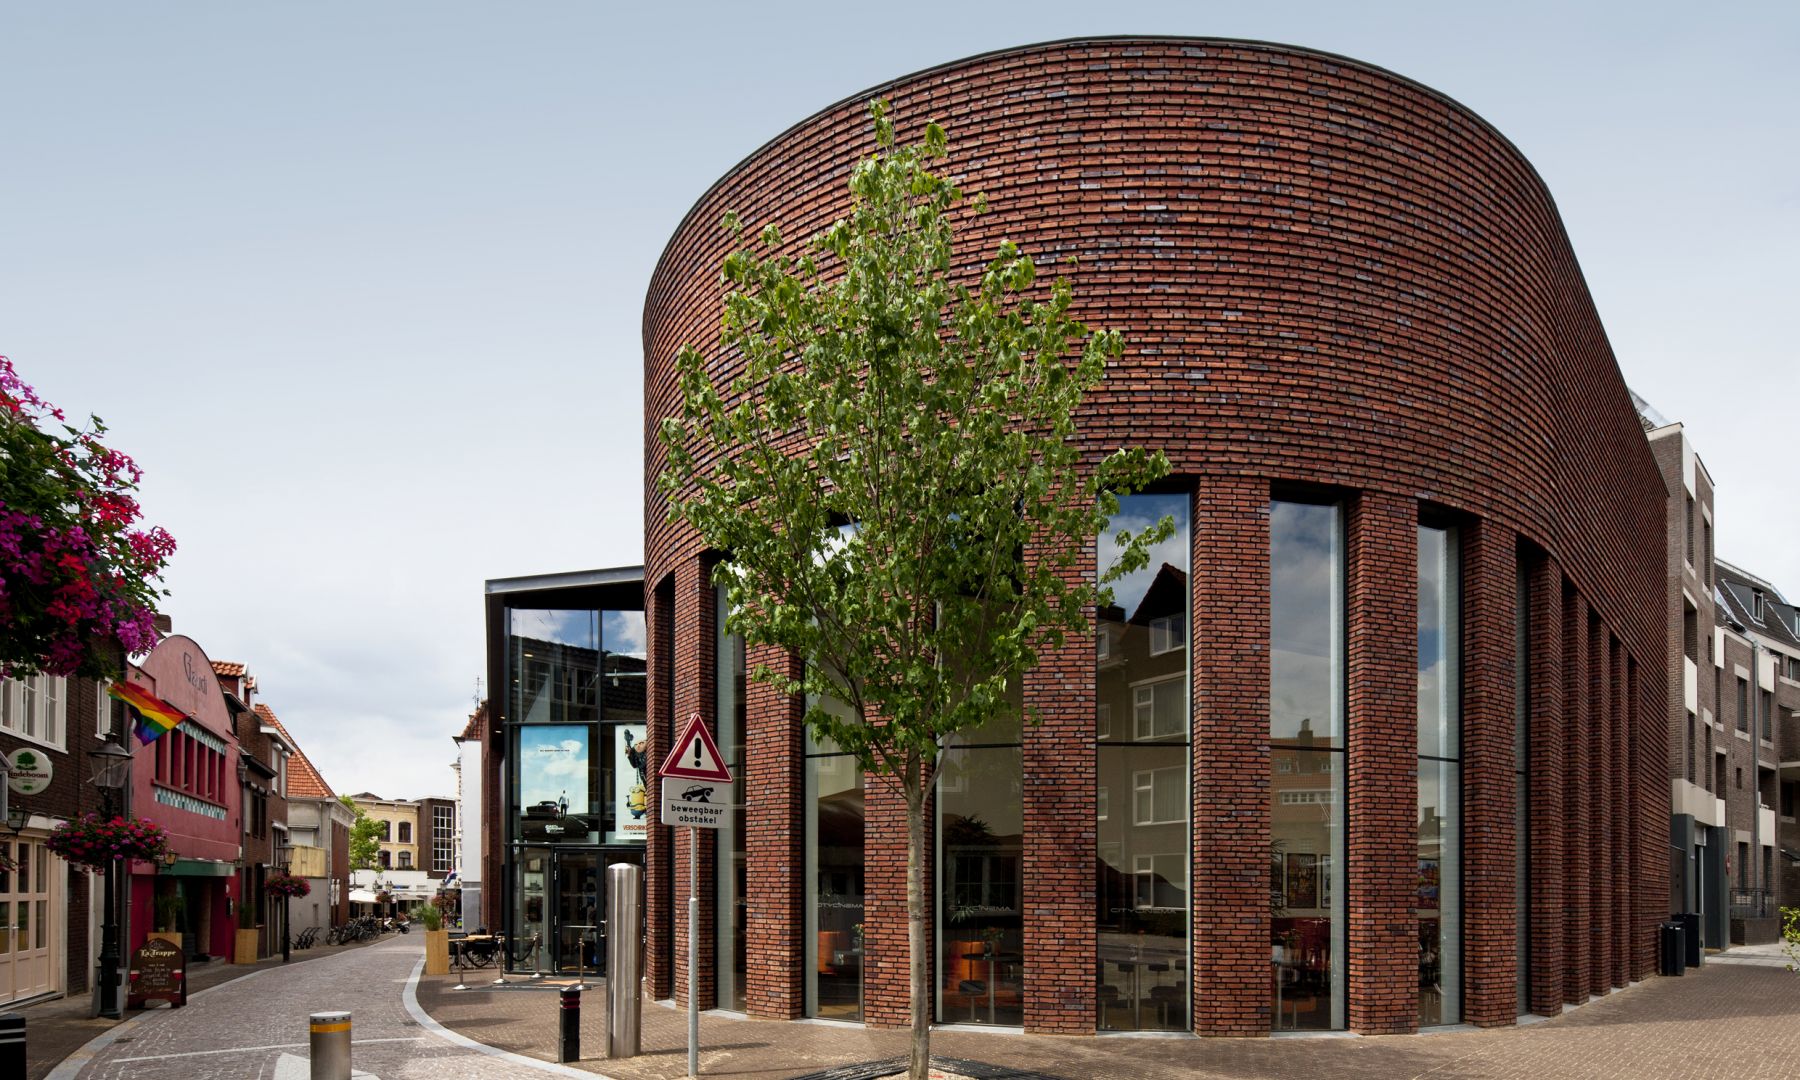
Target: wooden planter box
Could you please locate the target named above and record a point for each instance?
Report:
(437, 952)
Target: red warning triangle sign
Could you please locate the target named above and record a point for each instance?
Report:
(696, 756)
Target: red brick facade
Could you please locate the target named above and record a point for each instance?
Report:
(1325, 276)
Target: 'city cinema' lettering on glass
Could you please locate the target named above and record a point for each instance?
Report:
(555, 766)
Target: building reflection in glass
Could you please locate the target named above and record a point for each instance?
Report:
(1306, 813)
(1143, 794)
(980, 829)
(834, 879)
(1439, 892)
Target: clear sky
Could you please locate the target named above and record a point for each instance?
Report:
(360, 285)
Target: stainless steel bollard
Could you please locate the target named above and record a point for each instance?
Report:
(624, 957)
(331, 1046)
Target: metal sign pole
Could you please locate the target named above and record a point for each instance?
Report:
(693, 952)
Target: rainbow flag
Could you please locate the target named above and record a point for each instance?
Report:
(154, 716)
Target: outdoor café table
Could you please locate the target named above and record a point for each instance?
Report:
(482, 942)
(993, 960)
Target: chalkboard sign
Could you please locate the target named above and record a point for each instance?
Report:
(158, 970)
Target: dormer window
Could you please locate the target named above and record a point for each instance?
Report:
(1167, 633)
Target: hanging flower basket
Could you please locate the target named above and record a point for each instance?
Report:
(286, 885)
(96, 841)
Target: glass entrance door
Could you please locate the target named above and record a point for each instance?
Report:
(579, 911)
(559, 912)
(26, 906)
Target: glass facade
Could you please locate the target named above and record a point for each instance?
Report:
(1306, 731)
(834, 880)
(980, 851)
(575, 775)
(1143, 769)
(730, 865)
(1440, 778)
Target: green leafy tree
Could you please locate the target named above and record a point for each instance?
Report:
(894, 477)
(365, 837)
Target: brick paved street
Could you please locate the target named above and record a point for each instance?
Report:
(1711, 1023)
(244, 1028)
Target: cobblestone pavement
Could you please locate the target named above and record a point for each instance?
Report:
(256, 1027)
(1733, 1021)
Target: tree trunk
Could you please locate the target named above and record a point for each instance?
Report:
(919, 1065)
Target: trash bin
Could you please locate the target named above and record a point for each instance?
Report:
(1674, 949)
(1690, 923)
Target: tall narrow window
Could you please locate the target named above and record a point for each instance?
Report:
(1306, 729)
(1522, 782)
(980, 832)
(835, 956)
(1142, 766)
(731, 866)
(1440, 779)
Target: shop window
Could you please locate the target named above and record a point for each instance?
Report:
(1144, 869)
(1306, 815)
(1439, 891)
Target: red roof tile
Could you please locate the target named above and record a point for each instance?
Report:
(477, 723)
(304, 781)
(227, 669)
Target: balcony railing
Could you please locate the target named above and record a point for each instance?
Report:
(1751, 904)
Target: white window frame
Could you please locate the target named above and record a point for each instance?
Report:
(51, 688)
(1144, 781)
(1143, 708)
(1103, 720)
(1103, 803)
(1167, 634)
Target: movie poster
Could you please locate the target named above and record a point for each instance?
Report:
(554, 783)
(631, 785)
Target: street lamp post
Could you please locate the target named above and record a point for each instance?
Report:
(284, 856)
(112, 770)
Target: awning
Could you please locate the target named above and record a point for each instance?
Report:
(198, 868)
(362, 896)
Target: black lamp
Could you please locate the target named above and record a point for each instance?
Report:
(112, 771)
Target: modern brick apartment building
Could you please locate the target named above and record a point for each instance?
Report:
(1733, 661)
(1378, 743)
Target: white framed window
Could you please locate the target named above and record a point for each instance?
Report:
(1157, 881)
(1310, 796)
(1103, 720)
(1159, 709)
(1103, 801)
(1167, 633)
(1102, 645)
(1158, 796)
(35, 709)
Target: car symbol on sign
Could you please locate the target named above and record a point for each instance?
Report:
(697, 793)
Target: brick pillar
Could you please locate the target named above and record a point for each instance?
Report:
(1577, 813)
(885, 975)
(774, 839)
(696, 672)
(1489, 647)
(1547, 822)
(1059, 853)
(659, 927)
(1382, 752)
(1231, 985)
(1600, 806)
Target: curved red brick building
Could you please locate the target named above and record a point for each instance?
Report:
(1377, 745)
